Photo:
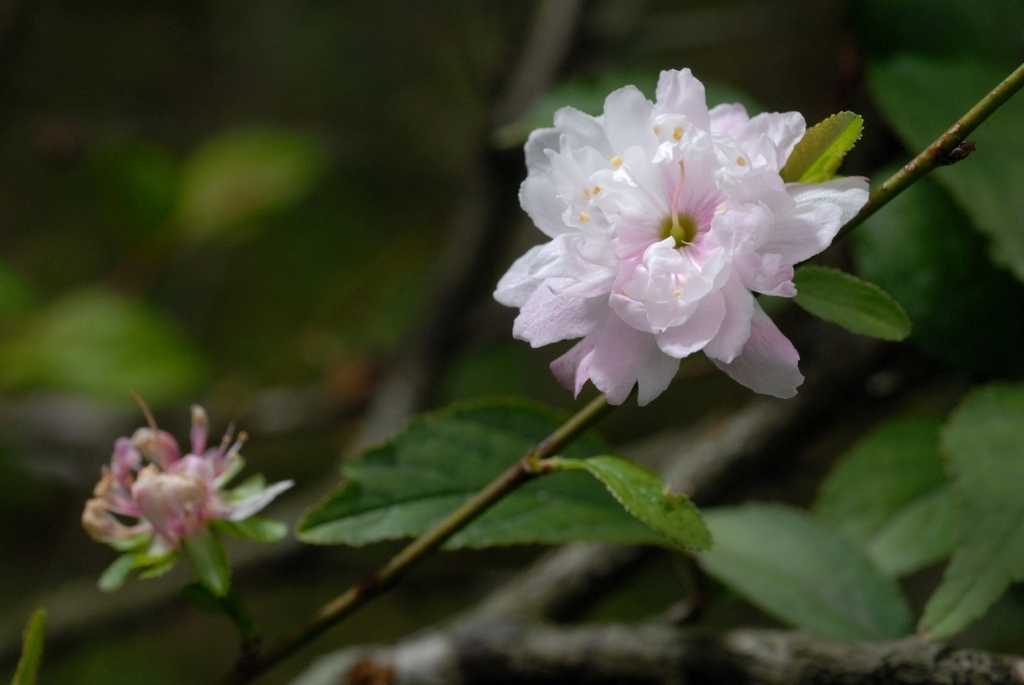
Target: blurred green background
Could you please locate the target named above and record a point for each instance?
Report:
(277, 208)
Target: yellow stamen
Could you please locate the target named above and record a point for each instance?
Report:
(741, 161)
(677, 293)
(677, 132)
(586, 192)
(657, 129)
(597, 190)
(584, 217)
(616, 161)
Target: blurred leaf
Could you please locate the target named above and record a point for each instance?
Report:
(117, 573)
(645, 495)
(588, 95)
(254, 528)
(856, 305)
(100, 343)
(15, 295)
(410, 483)
(984, 441)
(209, 561)
(31, 650)
(242, 174)
(891, 495)
(817, 156)
(921, 249)
(154, 567)
(942, 27)
(803, 573)
(922, 97)
(141, 183)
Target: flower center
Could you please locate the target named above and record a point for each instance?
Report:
(682, 228)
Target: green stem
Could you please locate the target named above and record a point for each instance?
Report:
(938, 153)
(522, 471)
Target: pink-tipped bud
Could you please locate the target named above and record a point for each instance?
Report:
(200, 430)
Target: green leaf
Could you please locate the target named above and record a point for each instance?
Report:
(922, 250)
(984, 442)
(209, 561)
(410, 483)
(243, 174)
(890, 494)
(117, 573)
(31, 650)
(254, 528)
(645, 495)
(103, 344)
(819, 153)
(16, 297)
(154, 567)
(803, 573)
(916, 96)
(856, 305)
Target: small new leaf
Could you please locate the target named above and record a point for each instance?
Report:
(31, 649)
(209, 561)
(645, 495)
(117, 573)
(803, 573)
(984, 441)
(816, 158)
(856, 305)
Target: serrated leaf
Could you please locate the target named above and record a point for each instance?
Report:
(408, 484)
(818, 155)
(242, 174)
(803, 573)
(254, 528)
(891, 495)
(117, 573)
(645, 495)
(31, 649)
(856, 305)
(209, 561)
(922, 250)
(916, 96)
(984, 442)
(100, 343)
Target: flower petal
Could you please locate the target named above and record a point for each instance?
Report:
(627, 120)
(548, 318)
(735, 329)
(572, 369)
(540, 200)
(768, 362)
(679, 92)
(785, 129)
(242, 510)
(769, 274)
(730, 119)
(582, 130)
(694, 333)
(624, 356)
(541, 139)
(517, 285)
(821, 210)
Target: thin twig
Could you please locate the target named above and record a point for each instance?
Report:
(344, 604)
(944, 151)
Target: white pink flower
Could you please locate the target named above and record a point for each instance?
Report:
(664, 218)
(172, 496)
